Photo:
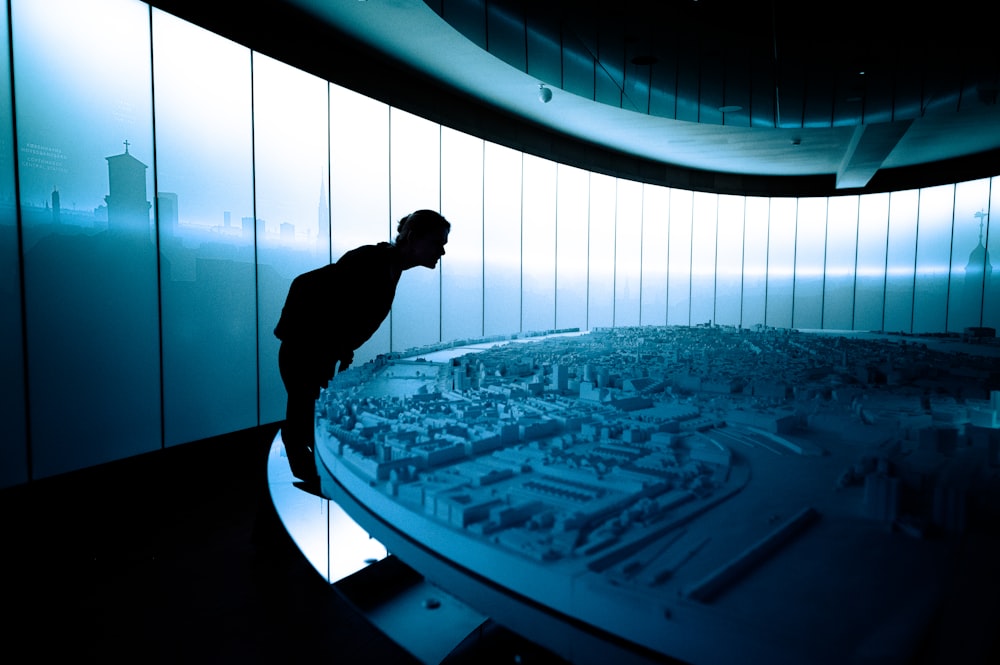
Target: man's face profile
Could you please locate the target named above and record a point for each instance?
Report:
(429, 248)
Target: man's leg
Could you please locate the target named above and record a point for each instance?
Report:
(297, 431)
(298, 435)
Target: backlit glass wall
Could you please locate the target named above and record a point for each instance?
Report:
(601, 253)
(933, 264)
(729, 261)
(538, 244)
(291, 201)
(756, 238)
(809, 263)
(966, 272)
(901, 252)
(13, 452)
(83, 112)
(462, 268)
(782, 239)
(207, 253)
(147, 246)
(359, 169)
(679, 258)
(869, 295)
(501, 240)
(628, 253)
(414, 184)
(839, 260)
(572, 241)
(653, 256)
(704, 253)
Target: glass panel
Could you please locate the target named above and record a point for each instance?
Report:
(968, 259)
(462, 204)
(291, 158)
(359, 176)
(873, 231)
(359, 171)
(841, 254)
(781, 263)
(755, 262)
(679, 265)
(810, 250)
(628, 253)
(934, 224)
(601, 289)
(991, 298)
(415, 181)
(13, 444)
(655, 234)
(703, 260)
(900, 257)
(85, 141)
(729, 261)
(502, 240)
(538, 253)
(208, 289)
(572, 235)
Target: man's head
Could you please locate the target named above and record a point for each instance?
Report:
(421, 236)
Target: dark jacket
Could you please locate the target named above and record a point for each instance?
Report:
(333, 310)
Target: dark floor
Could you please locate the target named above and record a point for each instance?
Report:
(163, 558)
(166, 558)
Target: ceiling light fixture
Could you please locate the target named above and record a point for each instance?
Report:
(544, 94)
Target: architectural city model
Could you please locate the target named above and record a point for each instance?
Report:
(710, 494)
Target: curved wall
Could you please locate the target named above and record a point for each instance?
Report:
(163, 184)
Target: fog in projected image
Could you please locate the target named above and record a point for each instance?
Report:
(157, 235)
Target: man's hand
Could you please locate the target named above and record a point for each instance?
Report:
(346, 358)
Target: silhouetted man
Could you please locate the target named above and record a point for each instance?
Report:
(331, 311)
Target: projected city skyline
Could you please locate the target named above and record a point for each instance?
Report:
(971, 280)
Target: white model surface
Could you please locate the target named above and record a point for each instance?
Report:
(709, 494)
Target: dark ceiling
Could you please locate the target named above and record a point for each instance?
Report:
(771, 97)
(873, 67)
(772, 64)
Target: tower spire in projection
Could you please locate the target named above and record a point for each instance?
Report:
(56, 207)
(983, 216)
(979, 259)
(323, 213)
(128, 208)
(978, 272)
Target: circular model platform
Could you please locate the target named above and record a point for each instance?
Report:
(708, 495)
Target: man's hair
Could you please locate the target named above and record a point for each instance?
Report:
(420, 223)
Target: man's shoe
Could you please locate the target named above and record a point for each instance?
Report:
(311, 487)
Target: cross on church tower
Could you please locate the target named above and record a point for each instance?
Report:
(128, 208)
(982, 215)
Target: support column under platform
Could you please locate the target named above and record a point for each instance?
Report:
(417, 615)
(423, 619)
